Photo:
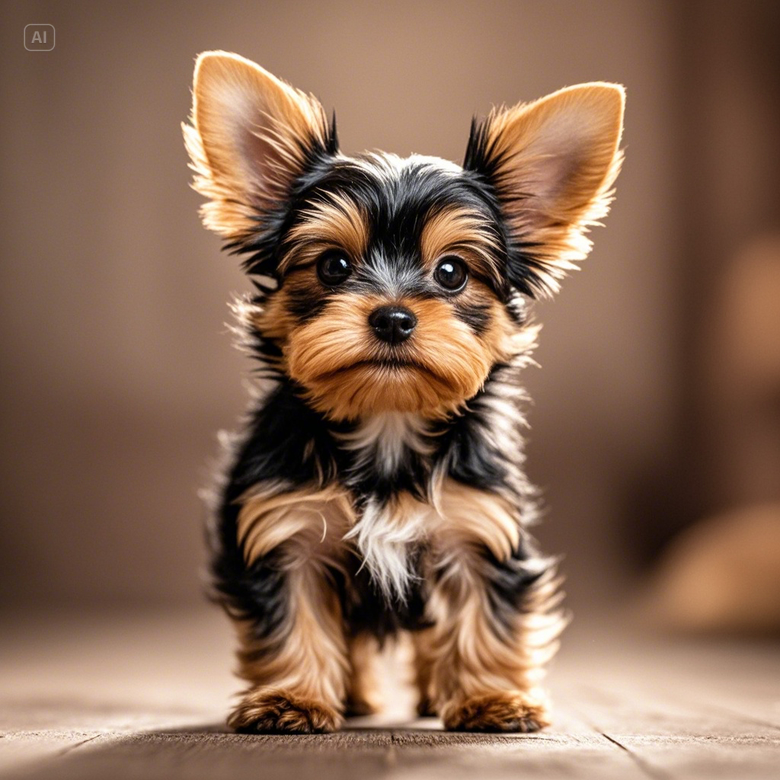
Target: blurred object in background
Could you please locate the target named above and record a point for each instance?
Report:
(710, 507)
(723, 573)
(741, 360)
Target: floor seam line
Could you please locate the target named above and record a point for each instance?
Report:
(69, 748)
(642, 763)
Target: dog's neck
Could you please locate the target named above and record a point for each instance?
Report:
(382, 439)
(389, 452)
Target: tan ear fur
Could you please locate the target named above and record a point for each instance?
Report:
(553, 163)
(248, 140)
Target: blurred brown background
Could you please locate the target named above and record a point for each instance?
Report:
(658, 403)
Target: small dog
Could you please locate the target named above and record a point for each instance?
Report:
(378, 484)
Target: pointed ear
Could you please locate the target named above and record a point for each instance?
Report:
(552, 164)
(251, 137)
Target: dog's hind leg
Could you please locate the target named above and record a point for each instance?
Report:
(424, 657)
(363, 695)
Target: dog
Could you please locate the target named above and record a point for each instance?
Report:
(377, 484)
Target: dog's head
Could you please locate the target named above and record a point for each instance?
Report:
(395, 284)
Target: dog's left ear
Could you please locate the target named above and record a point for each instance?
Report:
(252, 136)
(552, 164)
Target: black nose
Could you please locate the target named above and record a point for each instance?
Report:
(393, 324)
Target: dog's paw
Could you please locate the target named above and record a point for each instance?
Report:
(266, 711)
(362, 700)
(360, 707)
(504, 711)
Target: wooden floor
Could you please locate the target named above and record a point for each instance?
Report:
(144, 696)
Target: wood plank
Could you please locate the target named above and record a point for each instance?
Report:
(145, 696)
(671, 736)
(350, 754)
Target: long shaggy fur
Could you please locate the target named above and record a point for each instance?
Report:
(378, 483)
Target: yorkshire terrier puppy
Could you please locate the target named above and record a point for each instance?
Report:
(378, 483)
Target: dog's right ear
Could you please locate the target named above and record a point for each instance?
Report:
(252, 135)
(552, 165)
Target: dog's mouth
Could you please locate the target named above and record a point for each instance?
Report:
(392, 365)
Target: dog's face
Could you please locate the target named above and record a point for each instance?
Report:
(391, 294)
(390, 284)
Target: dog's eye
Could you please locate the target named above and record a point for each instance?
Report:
(451, 273)
(333, 268)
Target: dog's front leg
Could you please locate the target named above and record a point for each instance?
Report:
(294, 655)
(495, 621)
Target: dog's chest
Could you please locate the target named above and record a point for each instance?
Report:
(388, 450)
(389, 474)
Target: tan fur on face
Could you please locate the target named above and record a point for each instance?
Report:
(557, 161)
(333, 223)
(466, 656)
(246, 140)
(328, 357)
(463, 232)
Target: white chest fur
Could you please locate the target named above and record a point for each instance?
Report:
(387, 531)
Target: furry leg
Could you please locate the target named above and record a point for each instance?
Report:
(298, 676)
(424, 656)
(295, 659)
(495, 619)
(363, 696)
